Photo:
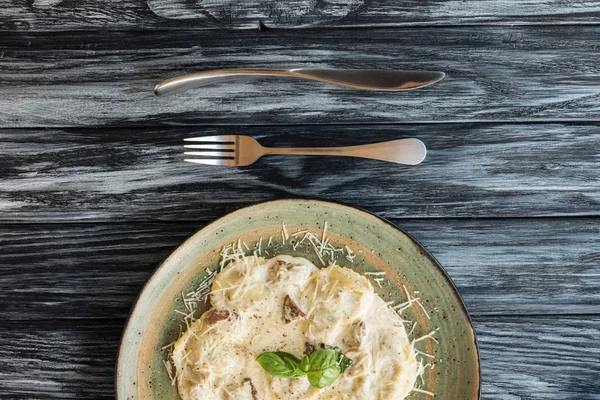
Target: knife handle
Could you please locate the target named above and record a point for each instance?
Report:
(200, 79)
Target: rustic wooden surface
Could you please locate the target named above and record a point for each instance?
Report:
(56, 15)
(94, 193)
(472, 170)
(533, 73)
(502, 266)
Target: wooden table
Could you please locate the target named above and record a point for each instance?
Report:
(94, 193)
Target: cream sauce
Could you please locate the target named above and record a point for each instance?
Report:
(335, 306)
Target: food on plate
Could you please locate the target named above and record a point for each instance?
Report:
(284, 329)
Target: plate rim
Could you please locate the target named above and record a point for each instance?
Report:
(426, 252)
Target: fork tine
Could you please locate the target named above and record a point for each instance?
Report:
(217, 139)
(210, 154)
(229, 147)
(221, 151)
(206, 161)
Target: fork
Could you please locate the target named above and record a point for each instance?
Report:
(240, 151)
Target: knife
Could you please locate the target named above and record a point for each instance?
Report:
(366, 79)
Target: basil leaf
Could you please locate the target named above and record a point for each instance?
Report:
(323, 359)
(281, 364)
(322, 367)
(322, 378)
(344, 362)
(305, 363)
(325, 367)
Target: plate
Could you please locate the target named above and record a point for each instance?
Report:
(377, 246)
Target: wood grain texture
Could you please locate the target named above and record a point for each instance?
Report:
(502, 267)
(522, 358)
(471, 170)
(534, 73)
(508, 198)
(306, 13)
(57, 15)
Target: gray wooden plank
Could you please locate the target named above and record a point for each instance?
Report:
(502, 266)
(522, 358)
(539, 358)
(220, 14)
(52, 359)
(532, 73)
(471, 170)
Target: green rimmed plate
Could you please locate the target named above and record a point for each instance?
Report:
(378, 246)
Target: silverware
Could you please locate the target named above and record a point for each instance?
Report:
(367, 79)
(238, 151)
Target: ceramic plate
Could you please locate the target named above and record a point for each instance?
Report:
(378, 246)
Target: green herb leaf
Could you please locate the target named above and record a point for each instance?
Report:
(323, 359)
(322, 367)
(281, 364)
(325, 367)
(344, 362)
(305, 363)
(323, 378)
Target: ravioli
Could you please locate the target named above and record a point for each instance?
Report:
(287, 304)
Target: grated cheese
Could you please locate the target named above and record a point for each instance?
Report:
(168, 345)
(428, 336)
(412, 329)
(327, 255)
(423, 353)
(259, 245)
(424, 391)
(350, 256)
(169, 368)
(284, 234)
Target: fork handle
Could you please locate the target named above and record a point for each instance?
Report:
(403, 151)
